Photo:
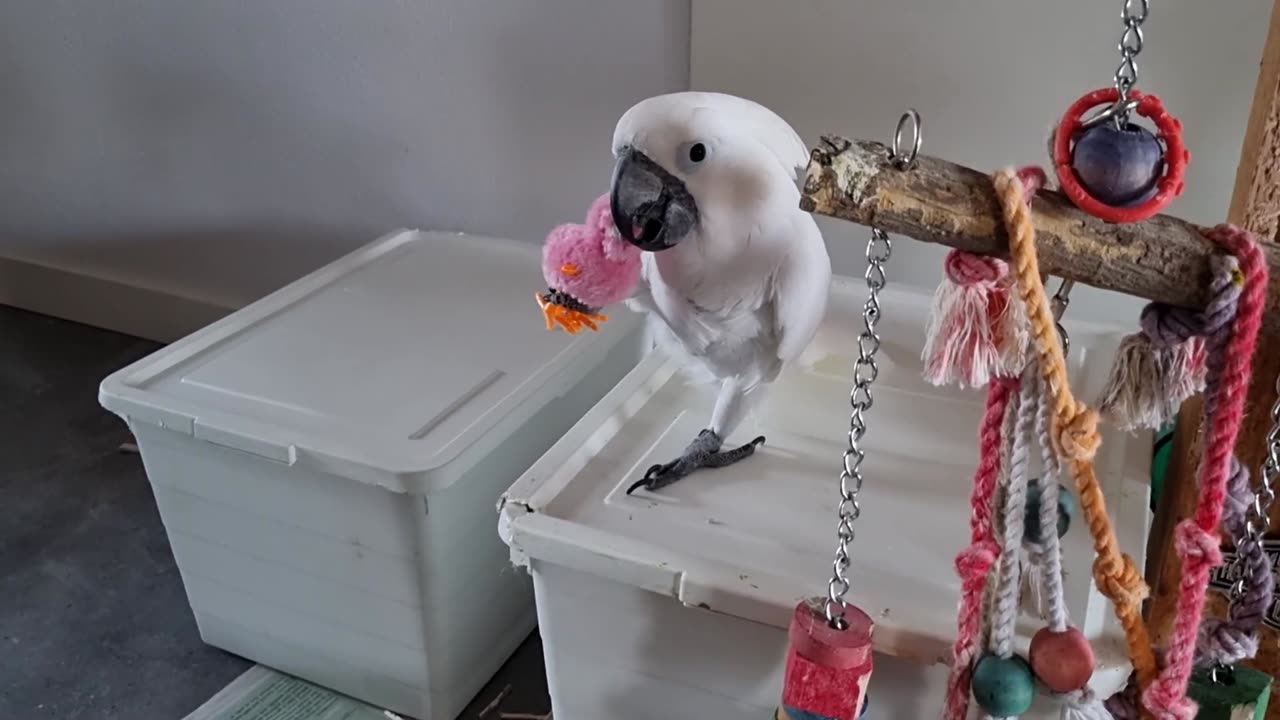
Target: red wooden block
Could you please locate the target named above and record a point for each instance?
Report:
(827, 670)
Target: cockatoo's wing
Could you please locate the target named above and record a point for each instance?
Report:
(801, 287)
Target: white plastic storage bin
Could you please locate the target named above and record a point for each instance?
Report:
(327, 461)
(675, 604)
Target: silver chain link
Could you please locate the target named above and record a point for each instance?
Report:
(865, 371)
(1134, 14)
(1258, 520)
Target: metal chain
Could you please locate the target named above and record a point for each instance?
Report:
(1134, 13)
(1130, 45)
(1258, 520)
(865, 371)
(1256, 524)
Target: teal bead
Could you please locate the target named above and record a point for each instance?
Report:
(1003, 687)
(1066, 510)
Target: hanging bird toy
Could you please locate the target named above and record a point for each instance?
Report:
(1009, 510)
(1060, 659)
(588, 267)
(1108, 166)
(1224, 333)
(829, 660)
(1223, 687)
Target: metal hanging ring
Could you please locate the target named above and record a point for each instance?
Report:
(904, 162)
(1120, 109)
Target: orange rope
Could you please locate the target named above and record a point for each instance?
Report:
(1075, 432)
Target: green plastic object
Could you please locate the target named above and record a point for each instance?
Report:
(1161, 451)
(1003, 687)
(1241, 694)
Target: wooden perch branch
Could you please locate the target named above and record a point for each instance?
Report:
(1164, 258)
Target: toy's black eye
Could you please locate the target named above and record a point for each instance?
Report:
(697, 153)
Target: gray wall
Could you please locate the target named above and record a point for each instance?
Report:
(218, 148)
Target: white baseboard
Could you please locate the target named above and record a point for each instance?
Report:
(110, 304)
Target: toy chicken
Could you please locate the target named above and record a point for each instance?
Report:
(587, 268)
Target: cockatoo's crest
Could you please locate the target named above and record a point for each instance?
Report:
(660, 124)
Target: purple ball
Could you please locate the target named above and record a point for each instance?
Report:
(1118, 167)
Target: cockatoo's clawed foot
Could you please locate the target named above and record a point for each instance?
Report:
(703, 452)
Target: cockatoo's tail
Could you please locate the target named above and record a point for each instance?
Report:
(587, 267)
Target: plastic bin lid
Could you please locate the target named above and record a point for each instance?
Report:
(384, 366)
(753, 539)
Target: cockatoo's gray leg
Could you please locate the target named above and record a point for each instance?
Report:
(704, 452)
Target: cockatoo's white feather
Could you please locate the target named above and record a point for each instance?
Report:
(745, 292)
(649, 124)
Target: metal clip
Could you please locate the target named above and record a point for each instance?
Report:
(1058, 305)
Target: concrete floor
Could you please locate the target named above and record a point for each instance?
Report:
(94, 623)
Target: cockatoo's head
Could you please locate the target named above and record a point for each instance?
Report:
(685, 155)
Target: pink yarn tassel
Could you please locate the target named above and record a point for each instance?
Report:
(977, 327)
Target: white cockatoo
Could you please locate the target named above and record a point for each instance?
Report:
(735, 275)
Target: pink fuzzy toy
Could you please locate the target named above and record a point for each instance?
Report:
(587, 267)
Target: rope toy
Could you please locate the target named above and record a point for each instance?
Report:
(1073, 433)
(1224, 641)
(1222, 687)
(587, 266)
(1229, 327)
(1228, 347)
(1060, 655)
(975, 562)
(1010, 511)
(1231, 324)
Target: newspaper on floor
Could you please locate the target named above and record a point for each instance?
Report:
(264, 694)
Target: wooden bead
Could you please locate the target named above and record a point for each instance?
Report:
(1120, 167)
(1063, 661)
(1003, 687)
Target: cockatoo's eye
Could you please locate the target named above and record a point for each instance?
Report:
(691, 155)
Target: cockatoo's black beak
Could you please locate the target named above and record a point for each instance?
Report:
(652, 208)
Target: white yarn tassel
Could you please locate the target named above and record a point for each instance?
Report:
(1032, 599)
(1084, 705)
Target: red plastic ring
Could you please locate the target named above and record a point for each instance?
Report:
(1176, 156)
